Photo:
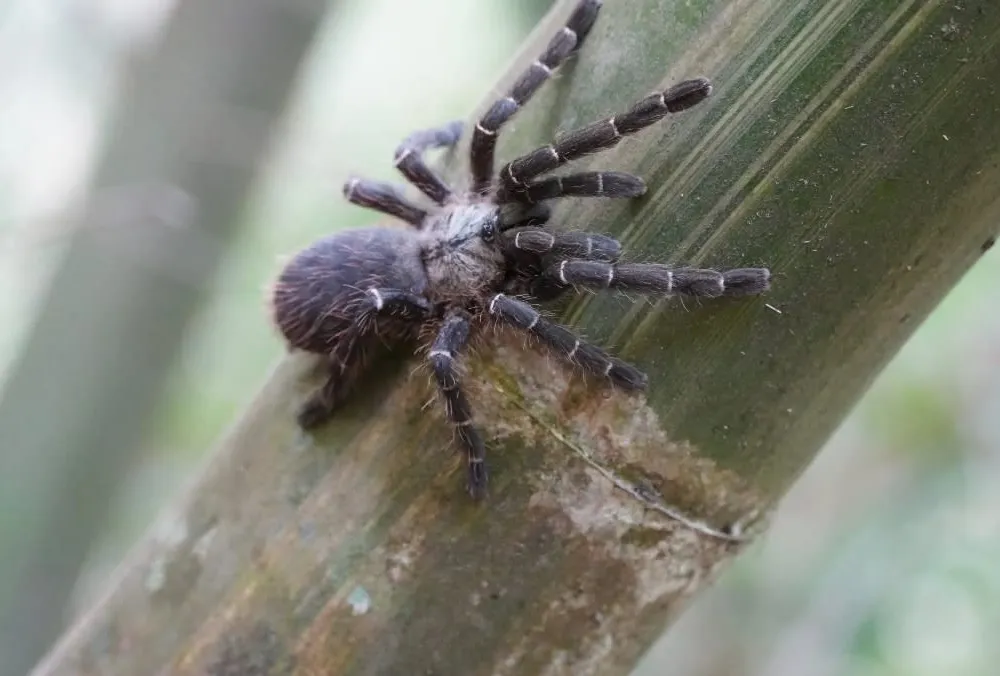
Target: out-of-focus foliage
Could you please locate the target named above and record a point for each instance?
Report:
(882, 560)
(192, 122)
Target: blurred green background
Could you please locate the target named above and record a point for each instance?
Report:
(881, 560)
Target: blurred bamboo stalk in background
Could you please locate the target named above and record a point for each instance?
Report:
(194, 120)
(850, 145)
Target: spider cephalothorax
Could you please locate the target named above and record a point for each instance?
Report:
(480, 256)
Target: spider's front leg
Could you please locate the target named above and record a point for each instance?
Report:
(451, 339)
(545, 242)
(591, 358)
(614, 184)
(654, 278)
(529, 250)
(346, 361)
(562, 44)
(344, 365)
(607, 133)
(523, 216)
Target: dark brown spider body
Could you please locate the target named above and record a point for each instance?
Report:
(326, 290)
(320, 295)
(469, 259)
(461, 252)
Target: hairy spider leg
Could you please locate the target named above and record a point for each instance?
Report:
(347, 360)
(604, 134)
(516, 215)
(386, 197)
(660, 279)
(410, 161)
(590, 358)
(543, 242)
(614, 184)
(452, 339)
(562, 44)
(383, 197)
(529, 250)
(344, 365)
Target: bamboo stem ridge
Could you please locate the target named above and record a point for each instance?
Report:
(849, 146)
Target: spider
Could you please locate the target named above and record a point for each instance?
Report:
(480, 255)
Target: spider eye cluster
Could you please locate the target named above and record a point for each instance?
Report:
(489, 231)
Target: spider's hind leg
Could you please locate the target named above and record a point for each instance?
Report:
(347, 360)
(409, 158)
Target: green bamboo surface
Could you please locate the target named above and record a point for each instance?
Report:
(851, 146)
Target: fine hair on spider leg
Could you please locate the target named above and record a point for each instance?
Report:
(451, 339)
(584, 184)
(563, 43)
(604, 134)
(383, 197)
(471, 259)
(660, 279)
(539, 241)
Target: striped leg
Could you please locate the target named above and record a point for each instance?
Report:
(451, 339)
(382, 197)
(542, 242)
(410, 162)
(518, 215)
(591, 358)
(562, 44)
(604, 134)
(660, 279)
(395, 302)
(587, 184)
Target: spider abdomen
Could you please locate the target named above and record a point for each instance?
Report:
(320, 294)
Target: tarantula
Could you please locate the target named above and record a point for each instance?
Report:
(470, 259)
